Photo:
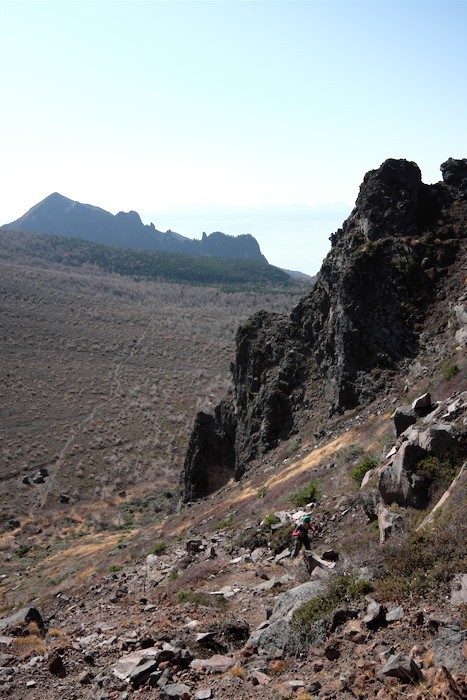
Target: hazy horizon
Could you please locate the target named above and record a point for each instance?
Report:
(147, 105)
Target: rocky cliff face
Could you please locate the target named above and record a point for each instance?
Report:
(364, 317)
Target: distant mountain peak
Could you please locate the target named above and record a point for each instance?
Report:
(60, 216)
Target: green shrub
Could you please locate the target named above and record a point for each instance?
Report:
(21, 551)
(294, 445)
(450, 371)
(306, 495)
(342, 590)
(424, 563)
(200, 598)
(270, 520)
(362, 468)
(159, 548)
(439, 473)
(280, 538)
(225, 523)
(115, 567)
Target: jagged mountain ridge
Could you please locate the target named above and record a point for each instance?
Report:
(342, 343)
(61, 216)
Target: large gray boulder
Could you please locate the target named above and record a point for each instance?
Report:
(17, 624)
(403, 417)
(441, 440)
(448, 648)
(399, 483)
(278, 636)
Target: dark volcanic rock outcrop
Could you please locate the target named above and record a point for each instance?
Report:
(59, 216)
(362, 319)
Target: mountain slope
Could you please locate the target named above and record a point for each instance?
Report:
(367, 314)
(208, 602)
(60, 216)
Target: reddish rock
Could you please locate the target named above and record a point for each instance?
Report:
(332, 651)
(55, 664)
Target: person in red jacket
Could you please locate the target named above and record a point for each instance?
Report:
(300, 535)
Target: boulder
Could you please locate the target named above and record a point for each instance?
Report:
(370, 501)
(399, 483)
(459, 592)
(422, 403)
(448, 648)
(441, 440)
(390, 524)
(403, 417)
(277, 636)
(219, 663)
(354, 632)
(175, 691)
(17, 624)
(375, 615)
(402, 667)
(136, 667)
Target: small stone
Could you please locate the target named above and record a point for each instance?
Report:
(203, 694)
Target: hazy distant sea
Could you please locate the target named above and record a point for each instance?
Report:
(294, 237)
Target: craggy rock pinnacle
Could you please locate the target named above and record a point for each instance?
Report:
(362, 319)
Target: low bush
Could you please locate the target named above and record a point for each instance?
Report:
(343, 589)
(159, 548)
(307, 494)
(423, 564)
(199, 598)
(450, 371)
(438, 473)
(362, 468)
(280, 538)
(270, 520)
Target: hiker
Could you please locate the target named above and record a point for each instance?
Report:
(300, 535)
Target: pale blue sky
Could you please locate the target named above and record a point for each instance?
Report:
(145, 105)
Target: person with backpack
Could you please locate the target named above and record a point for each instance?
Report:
(300, 535)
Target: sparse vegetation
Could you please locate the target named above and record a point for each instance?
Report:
(270, 520)
(306, 494)
(423, 563)
(358, 472)
(450, 372)
(280, 539)
(159, 548)
(342, 589)
(227, 522)
(93, 355)
(439, 473)
(200, 598)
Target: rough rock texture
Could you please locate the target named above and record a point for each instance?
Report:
(361, 321)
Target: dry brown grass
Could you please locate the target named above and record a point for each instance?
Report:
(238, 672)
(101, 377)
(24, 646)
